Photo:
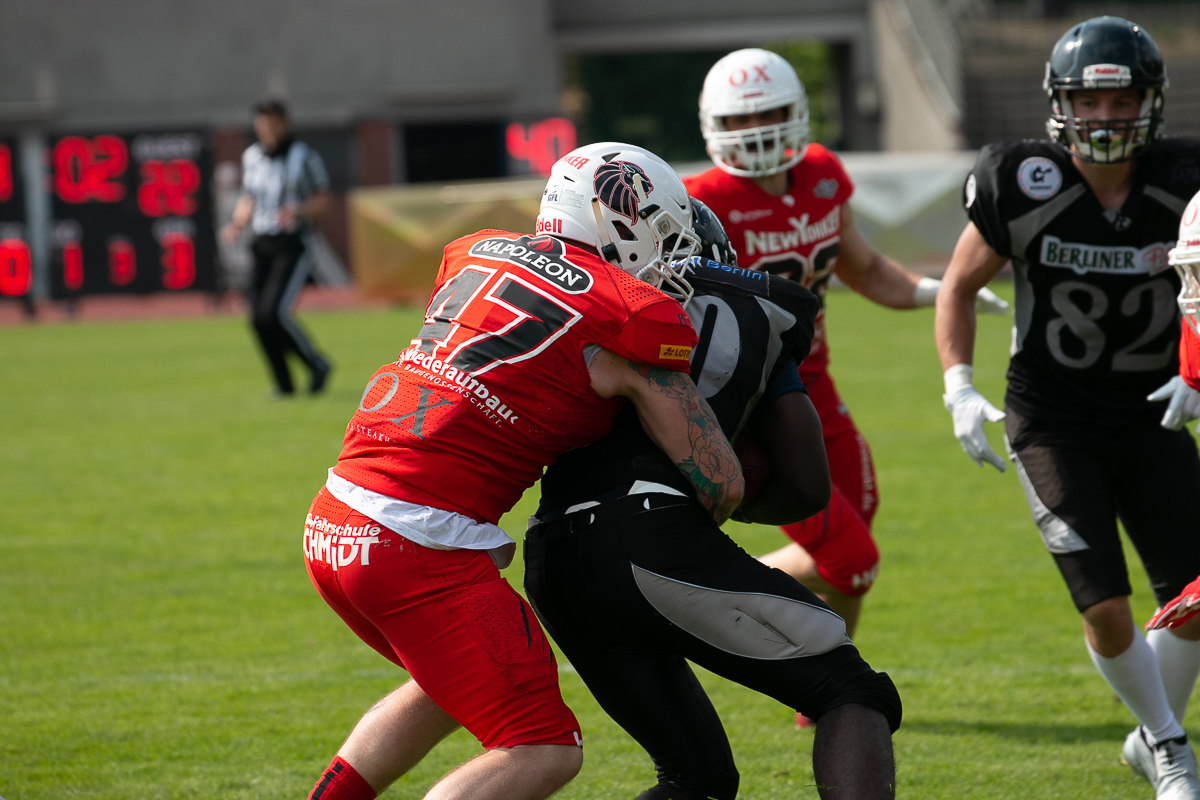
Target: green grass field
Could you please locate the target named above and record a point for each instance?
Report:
(159, 637)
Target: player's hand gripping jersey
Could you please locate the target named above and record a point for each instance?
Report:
(1096, 328)
(495, 386)
(795, 235)
(753, 328)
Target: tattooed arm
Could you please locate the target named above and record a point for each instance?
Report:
(680, 422)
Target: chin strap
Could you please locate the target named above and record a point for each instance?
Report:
(607, 249)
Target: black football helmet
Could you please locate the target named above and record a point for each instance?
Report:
(714, 242)
(1105, 53)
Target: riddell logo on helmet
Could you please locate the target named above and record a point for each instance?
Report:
(622, 186)
(548, 225)
(1106, 75)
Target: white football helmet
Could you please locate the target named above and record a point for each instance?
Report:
(629, 205)
(747, 82)
(1185, 258)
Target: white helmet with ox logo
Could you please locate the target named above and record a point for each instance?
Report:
(751, 81)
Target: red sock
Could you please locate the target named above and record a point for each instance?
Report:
(341, 782)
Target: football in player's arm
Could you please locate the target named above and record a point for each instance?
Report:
(785, 204)
(1087, 220)
(529, 345)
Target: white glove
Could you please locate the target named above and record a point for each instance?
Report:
(986, 301)
(1184, 406)
(969, 409)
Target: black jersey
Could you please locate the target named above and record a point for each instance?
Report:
(754, 328)
(1095, 326)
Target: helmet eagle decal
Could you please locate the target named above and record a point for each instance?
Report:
(621, 186)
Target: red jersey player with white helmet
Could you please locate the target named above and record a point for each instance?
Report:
(784, 203)
(528, 347)
(1183, 391)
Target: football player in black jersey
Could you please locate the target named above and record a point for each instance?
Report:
(1087, 219)
(631, 576)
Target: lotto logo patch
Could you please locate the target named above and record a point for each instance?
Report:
(674, 352)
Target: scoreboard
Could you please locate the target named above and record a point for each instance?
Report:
(16, 268)
(131, 213)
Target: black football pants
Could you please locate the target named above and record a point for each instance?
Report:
(1078, 483)
(633, 587)
(280, 271)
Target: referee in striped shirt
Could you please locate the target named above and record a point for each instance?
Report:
(284, 188)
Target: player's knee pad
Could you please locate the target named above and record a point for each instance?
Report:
(711, 786)
(871, 689)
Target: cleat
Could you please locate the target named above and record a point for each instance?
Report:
(804, 722)
(1177, 777)
(1170, 766)
(1138, 755)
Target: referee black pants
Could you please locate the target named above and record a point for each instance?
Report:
(280, 271)
(633, 589)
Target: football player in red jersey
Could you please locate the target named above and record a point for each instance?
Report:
(528, 347)
(1183, 391)
(785, 205)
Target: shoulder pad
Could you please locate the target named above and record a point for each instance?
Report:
(792, 297)
(1173, 162)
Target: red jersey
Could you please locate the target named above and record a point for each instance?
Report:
(1189, 357)
(495, 386)
(795, 235)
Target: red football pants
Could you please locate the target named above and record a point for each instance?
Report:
(839, 537)
(469, 641)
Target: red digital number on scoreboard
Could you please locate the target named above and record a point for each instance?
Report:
(178, 261)
(540, 143)
(72, 256)
(16, 273)
(122, 261)
(168, 187)
(6, 176)
(90, 169)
